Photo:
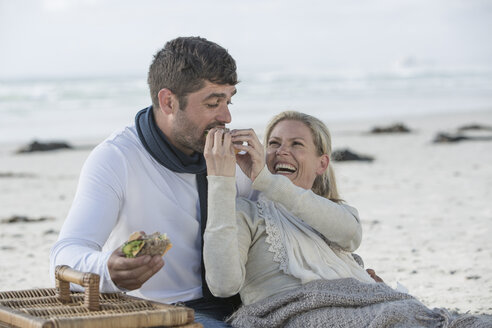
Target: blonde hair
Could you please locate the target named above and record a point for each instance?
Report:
(324, 185)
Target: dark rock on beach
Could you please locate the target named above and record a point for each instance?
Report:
(447, 138)
(16, 175)
(395, 128)
(475, 127)
(347, 155)
(22, 218)
(44, 146)
(452, 138)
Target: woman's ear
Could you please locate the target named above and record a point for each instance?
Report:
(324, 161)
(167, 101)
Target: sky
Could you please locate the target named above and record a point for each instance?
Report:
(85, 38)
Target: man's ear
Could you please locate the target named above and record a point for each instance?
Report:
(167, 101)
(323, 164)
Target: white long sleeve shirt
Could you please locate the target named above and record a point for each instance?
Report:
(122, 189)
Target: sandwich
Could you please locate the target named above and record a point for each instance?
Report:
(223, 129)
(140, 244)
(236, 151)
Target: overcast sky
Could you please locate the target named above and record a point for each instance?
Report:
(70, 38)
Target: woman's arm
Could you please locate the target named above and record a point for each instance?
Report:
(339, 223)
(224, 259)
(226, 239)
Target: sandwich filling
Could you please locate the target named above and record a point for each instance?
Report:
(140, 244)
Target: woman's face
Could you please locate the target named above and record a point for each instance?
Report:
(291, 152)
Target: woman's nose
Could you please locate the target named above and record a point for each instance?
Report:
(282, 149)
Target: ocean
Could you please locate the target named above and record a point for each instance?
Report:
(91, 108)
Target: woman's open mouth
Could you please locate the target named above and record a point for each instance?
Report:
(284, 168)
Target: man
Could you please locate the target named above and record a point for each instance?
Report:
(151, 176)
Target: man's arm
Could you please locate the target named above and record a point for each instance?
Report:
(91, 219)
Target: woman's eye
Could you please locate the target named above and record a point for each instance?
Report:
(296, 143)
(273, 144)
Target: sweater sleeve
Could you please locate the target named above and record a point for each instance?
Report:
(226, 239)
(339, 223)
(92, 217)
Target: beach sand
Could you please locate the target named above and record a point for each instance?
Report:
(426, 208)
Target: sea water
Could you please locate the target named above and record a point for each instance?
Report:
(92, 108)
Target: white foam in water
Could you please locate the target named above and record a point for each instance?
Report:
(93, 108)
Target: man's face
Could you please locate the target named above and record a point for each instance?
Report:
(206, 108)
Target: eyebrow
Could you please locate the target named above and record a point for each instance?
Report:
(219, 95)
(290, 139)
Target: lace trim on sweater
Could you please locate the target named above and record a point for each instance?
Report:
(274, 237)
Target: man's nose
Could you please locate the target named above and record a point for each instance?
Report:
(224, 116)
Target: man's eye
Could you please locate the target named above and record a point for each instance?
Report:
(212, 105)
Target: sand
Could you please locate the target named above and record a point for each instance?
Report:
(426, 208)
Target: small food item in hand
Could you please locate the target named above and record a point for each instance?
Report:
(140, 244)
(223, 129)
(236, 151)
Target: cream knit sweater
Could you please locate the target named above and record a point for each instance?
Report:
(236, 254)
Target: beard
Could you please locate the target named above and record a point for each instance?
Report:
(188, 135)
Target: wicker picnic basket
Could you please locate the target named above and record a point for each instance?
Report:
(58, 307)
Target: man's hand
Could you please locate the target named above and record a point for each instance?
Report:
(374, 276)
(132, 273)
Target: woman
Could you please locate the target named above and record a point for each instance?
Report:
(289, 253)
(291, 153)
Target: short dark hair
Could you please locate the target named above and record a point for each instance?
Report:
(185, 63)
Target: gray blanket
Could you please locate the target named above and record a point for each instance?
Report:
(349, 303)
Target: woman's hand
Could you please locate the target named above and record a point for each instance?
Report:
(253, 161)
(219, 153)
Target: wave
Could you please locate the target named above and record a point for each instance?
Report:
(69, 107)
